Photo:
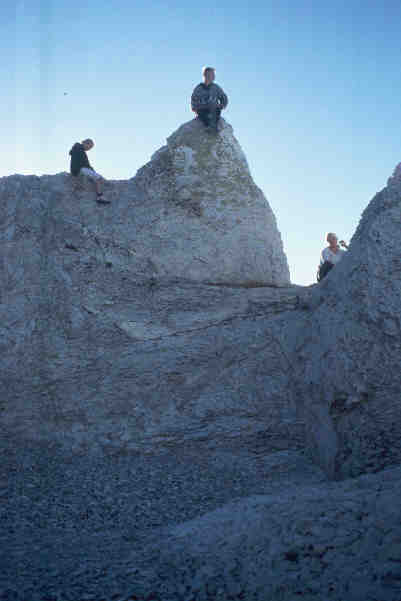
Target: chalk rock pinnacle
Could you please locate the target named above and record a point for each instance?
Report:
(214, 224)
(349, 352)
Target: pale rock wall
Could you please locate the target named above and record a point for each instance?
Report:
(93, 330)
(215, 224)
(114, 346)
(109, 337)
(348, 352)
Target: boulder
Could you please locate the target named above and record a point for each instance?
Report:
(210, 222)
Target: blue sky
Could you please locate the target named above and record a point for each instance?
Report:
(314, 92)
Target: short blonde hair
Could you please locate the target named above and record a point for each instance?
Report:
(205, 69)
(331, 234)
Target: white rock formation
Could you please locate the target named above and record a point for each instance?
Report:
(348, 353)
(215, 224)
(134, 395)
(86, 288)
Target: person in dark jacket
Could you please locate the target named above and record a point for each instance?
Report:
(80, 165)
(208, 100)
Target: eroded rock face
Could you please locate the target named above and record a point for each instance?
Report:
(113, 351)
(215, 224)
(348, 353)
(134, 397)
(101, 350)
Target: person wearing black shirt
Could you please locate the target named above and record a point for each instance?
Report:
(80, 165)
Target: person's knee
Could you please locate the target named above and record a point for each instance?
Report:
(91, 174)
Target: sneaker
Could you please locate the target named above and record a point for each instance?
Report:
(101, 200)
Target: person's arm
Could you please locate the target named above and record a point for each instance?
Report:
(223, 99)
(195, 100)
(84, 161)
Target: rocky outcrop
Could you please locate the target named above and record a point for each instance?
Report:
(112, 353)
(348, 352)
(214, 224)
(107, 327)
(153, 406)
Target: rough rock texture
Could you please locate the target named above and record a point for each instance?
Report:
(214, 224)
(111, 356)
(233, 522)
(334, 542)
(152, 425)
(348, 352)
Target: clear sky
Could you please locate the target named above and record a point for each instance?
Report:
(314, 91)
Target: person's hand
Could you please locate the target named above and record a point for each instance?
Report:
(342, 243)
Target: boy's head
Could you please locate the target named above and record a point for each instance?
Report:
(88, 144)
(332, 238)
(209, 73)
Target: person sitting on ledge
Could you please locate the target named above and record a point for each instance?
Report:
(80, 166)
(331, 255)
(208, 100)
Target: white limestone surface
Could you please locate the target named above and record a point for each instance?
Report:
(347, 357)
(214, 225)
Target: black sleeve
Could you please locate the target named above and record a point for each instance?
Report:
(79, 159)
(195, 100)
(223, 98)
(83, 159)
(323, 270)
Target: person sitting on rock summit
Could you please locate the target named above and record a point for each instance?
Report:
(80, 166)
(208, 100)
(331, 255)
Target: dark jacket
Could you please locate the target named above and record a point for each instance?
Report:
(323, 270)
(78, 159)
(206, 97)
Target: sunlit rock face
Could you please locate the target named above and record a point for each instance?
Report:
(348, 356)
(210, 221)
(118, 338)
(113, 334)
(152, 423)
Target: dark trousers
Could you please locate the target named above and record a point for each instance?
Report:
(209, 117)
